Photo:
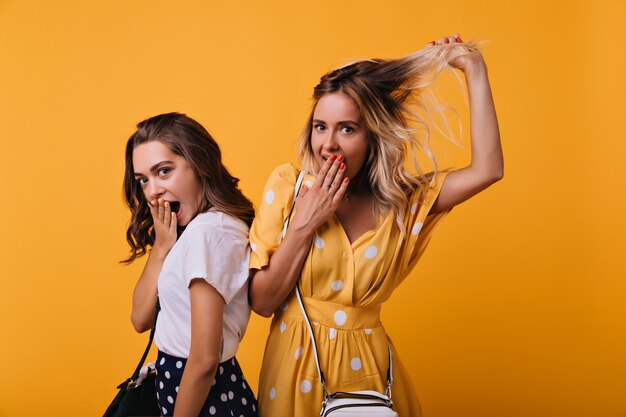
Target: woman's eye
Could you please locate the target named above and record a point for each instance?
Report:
(319, 127)
(164, 171)
(347, 129)
(142, 181)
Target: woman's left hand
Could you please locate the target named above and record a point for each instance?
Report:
(466, 62)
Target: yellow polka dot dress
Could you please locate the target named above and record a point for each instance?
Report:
(343, 286)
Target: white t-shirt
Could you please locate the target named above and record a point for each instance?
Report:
(214, 247)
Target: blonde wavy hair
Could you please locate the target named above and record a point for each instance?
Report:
(389, 93)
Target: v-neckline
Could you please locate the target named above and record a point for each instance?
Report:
(358, 240)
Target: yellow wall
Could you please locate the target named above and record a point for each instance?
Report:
(518, 307)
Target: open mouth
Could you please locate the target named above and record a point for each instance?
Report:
(175, 206)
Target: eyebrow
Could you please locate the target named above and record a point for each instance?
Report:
(154, 167)
(339, 122)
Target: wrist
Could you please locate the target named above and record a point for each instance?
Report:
(159, 252)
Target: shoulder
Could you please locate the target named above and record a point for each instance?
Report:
(286, 173)
(217, 224)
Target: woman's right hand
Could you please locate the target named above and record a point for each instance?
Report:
(164, 221)
(316, 204)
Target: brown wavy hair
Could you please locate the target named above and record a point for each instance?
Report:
(389, 93)
(187, 138)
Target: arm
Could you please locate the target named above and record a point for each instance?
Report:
(207, 311)
(487, 164)
(271, 285)
(145, 293)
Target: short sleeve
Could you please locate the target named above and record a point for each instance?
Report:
(218, 256)
(421, 224)
(266, 230)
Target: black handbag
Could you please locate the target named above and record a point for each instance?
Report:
(137, 399)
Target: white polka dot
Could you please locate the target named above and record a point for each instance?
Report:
(253, 407)
(269, 196)
(167, 374)
(371, 252)
(319, 242)
(224, 397)
(416, 228)
(231, 395)
(284, 306)
(162, 361)
(158, 396)
(170, 399)
(161, 385)
(368, 331)
(337, 285)
(305, 386)
(340, 317)
(283, 326)
(355, 364)
(243, 384)
(332, 333)
(253, 246)
(298, 353)
(413, 208)
(221, 370)
(233, 378)
(179, 364)
(212, 410)
(232, 361)
(244, 401)
(164, 410)
(272, 393)
(308, 183)
(176, 389)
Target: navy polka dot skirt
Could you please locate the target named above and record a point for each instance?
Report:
(230, 395)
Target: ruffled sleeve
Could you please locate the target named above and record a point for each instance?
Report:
(266, 230)
(420, 224)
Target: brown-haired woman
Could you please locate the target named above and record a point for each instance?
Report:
(360, 224)
(187, 207)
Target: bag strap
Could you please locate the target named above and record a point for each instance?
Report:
(135, 375)
(297, 187)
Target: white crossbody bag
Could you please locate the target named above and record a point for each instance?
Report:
(340, 403)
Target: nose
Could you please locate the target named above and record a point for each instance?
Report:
(154, 190)
(330, 141)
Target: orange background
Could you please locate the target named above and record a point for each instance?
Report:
(517, 308)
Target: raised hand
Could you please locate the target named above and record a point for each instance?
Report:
(164, 220)
(316, 204)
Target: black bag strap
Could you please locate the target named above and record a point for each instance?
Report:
(145, 353)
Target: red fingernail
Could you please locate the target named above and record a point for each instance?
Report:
(446, 40)
(458, 39)
(432, 42)
(332, 157)
(345, 180)
(342, 166)
(340, 158)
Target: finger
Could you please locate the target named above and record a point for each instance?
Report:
(341, 191)
(153, 212)
(319, 181)
(167, 213)
(332, 172)
(160, 210)
(338, 177)
(303, 190)
(431, 43)
(173, 222)
(457, 38)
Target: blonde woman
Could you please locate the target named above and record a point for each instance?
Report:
(360, 224)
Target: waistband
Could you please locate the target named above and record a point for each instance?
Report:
(335, 315)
